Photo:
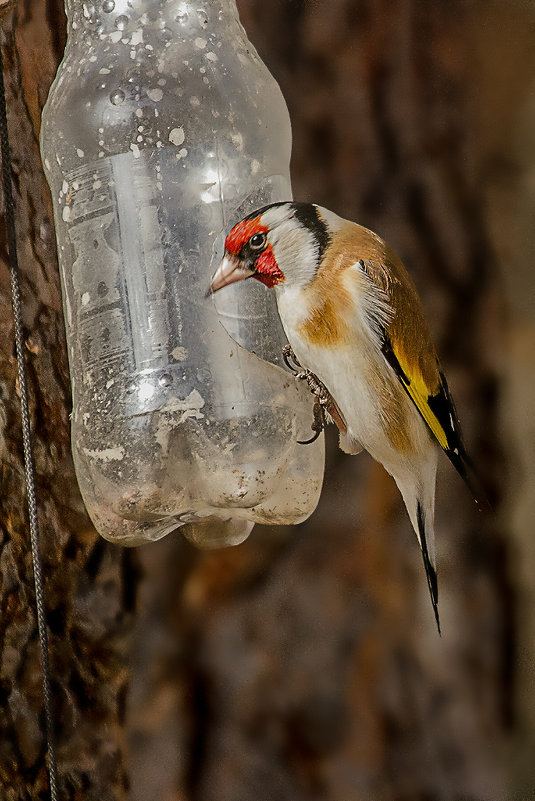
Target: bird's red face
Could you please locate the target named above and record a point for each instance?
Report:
(248, 254)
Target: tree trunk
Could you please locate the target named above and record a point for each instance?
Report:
(87, 589)
(303, 664)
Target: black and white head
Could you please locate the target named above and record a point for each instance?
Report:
(282, 243)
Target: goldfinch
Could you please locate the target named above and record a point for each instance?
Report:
(353, 318)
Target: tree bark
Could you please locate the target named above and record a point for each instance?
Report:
(87, 589)
(303, 664)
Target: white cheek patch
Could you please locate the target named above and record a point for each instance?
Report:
(296, 252)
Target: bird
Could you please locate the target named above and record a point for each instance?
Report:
(355, 322)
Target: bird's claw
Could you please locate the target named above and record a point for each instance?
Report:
(288, 356)
(325, 408)
(319, 423)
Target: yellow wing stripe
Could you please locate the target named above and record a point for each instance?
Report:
(419, 395)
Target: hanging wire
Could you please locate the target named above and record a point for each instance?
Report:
(29, 466)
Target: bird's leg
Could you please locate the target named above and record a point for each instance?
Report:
(325, 408)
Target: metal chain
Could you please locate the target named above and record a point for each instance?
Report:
(29, 466)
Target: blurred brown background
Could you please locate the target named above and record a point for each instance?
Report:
(305, 664)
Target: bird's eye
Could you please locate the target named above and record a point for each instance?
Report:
(257, 242)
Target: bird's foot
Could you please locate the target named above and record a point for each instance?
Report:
(325, 408)
(290, 360)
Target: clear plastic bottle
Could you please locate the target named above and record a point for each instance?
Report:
(163, 128)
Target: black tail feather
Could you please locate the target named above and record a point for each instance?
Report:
(430, 571)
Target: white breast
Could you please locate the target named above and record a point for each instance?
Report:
(349, 371)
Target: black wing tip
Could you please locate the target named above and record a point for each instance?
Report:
(430, 572)
(457, 453)
(443, 407)
(465, 467)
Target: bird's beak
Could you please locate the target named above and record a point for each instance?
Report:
(229, 272)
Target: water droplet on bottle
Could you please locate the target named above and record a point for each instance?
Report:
(108, 6)
(121, 22)
(117, 97)
(141, 56)
(165, 380)
(132, 75)
(90, 11)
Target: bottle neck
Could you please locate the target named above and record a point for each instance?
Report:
(129, 17)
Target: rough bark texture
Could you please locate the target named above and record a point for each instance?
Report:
(304, 664)
(87, 597)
